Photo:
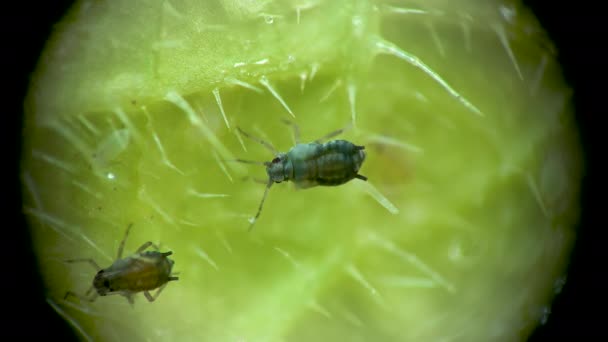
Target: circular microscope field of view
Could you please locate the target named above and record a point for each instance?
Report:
(301, 170)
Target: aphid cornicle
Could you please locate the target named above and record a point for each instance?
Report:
(143, 271)
(314, 164)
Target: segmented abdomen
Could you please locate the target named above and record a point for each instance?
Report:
(333, 163)
(143, 273)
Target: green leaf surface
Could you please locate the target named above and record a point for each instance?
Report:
(462, 233)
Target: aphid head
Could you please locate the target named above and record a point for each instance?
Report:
(102, 284)
(276, 168)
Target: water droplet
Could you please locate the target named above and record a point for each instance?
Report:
(421, 97)
(247, 44)
(357, 23)
(545, 315)
(111, 176)
(269, 19)
(508, 13)
(455, 251)
(558, 285)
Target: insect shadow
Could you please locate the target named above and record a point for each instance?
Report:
(142, 271)
(308, 165)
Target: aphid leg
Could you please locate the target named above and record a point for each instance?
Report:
(151, 298)
(260, 141)
(145, 246)
(261, 205)
(121, 247)
(329, 135)
(130, 299)
(296, 129)
(166, 254)
(359, 148)
(333, 134)
(361, 177)
(173, 278)
(88, 260)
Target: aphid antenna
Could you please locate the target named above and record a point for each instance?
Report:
(121, 247)
(295, 127)
(259, 141)
(245, 161)
(87, 297)
(261, 205)
(90, 261)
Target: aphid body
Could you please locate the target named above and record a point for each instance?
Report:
(331, 163)
(327, 164)
(141, 272)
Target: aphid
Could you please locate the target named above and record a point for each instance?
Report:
(314, 164)
(142, 271)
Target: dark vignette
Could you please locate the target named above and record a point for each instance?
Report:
(574, 27)
(28, 25)
(576, 33)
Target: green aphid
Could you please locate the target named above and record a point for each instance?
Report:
(314, 164)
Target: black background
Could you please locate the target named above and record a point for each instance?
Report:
(577, 33)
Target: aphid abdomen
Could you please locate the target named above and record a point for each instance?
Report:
(333, 163)
(143, 272)
(335, 169)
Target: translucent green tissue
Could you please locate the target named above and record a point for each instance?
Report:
(462, 233)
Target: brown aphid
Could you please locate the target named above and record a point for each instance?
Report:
(143, 271)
